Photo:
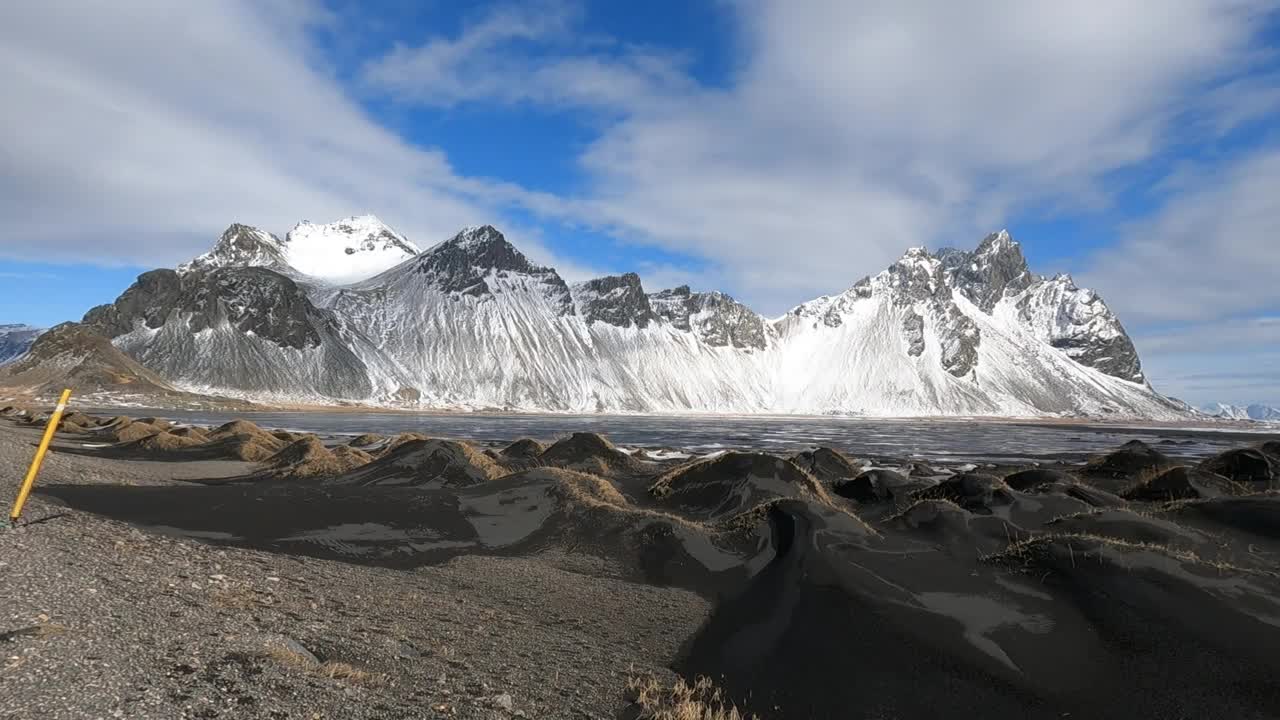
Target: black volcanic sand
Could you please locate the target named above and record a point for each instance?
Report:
(1129, 586)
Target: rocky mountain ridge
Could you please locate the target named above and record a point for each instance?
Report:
(15, 340)
(1255, 411)
(473, 323)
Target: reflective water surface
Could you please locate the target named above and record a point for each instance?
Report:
(939, 439)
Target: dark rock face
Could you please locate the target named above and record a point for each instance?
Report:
(717, 318)
(251, 299)
(960, 339)
(1078, 322)
(1247, 466)
(985, 274)
(913, 333)
(919, 278)
(614, 299)
(1115, 356)
(461, 264)
(1069, 318)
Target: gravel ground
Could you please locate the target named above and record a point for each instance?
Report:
(102, 620)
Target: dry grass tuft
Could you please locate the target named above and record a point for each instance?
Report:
(700, 701)
(299, 662)
(1089, 547)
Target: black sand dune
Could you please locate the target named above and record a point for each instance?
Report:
(1040, 593)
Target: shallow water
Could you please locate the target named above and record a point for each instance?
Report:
(931, 439)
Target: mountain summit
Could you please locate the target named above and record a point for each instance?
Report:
(341, 252)
(350, 312)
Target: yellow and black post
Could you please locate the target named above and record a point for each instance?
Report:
(25, 490)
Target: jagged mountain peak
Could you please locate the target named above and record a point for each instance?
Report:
(480, 246)
(477, 262)
(996, 267)
(473, 322)
(340, 252)
(241, 245)
(615, 299)
(347, 250)
(714, 317)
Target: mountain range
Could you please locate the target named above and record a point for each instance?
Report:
(15, 340)
(1261, 413)
(352, 312)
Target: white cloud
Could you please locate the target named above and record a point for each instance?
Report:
(135, 132)
(1211, 252)
(852, 130)
(491, 59)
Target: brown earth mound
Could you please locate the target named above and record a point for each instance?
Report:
(163, 442)
(443, 463)
(974, 492)
(731, 483)
(1133, 460)
(1246, 465)
(308, 457)
(400, 439)
(134, 431)
(826, 464)
(1183, 483)
(524, 449)
(589, 452)
(365, 440)
(191, 432)
(236, 427)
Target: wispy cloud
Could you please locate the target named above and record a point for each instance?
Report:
(852, 130)
(134, 132)
(9, 275)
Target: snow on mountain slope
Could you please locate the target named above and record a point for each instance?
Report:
(995, 278)
(15, 340)
(905, 343)
(242, 330)
(347, 250)
(1258, 412)
(473, 323)
(340, 252)
(241, 246)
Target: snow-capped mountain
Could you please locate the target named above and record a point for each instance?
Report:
(15, 339)
(346, 251)
(473, 323)
(340, 252)
(1258, 412)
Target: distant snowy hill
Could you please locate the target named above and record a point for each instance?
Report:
(349, 312)
(340, 252)
(1261, 413)
(15, 340)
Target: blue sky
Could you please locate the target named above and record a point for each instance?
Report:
(774, 149)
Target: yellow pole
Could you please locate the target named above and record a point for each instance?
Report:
(39, 459)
